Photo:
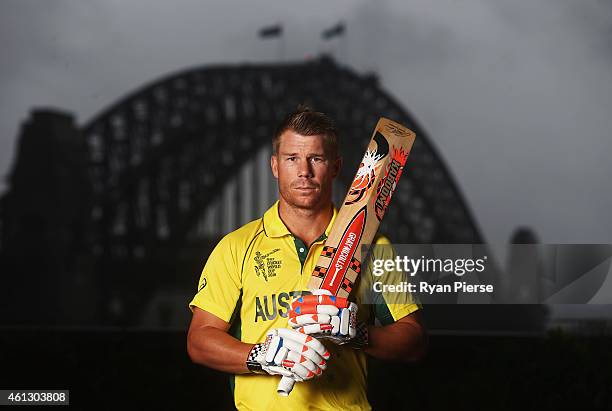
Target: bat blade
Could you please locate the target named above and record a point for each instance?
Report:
(363, 208)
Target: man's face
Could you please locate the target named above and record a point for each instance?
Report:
(304, 170)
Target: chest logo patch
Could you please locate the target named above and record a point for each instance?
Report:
(266, 265)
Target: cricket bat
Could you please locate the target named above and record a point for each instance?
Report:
(360, 215)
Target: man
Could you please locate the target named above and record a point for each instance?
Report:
(251, 277)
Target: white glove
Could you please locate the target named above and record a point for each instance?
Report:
(289, 353)
(328, 317)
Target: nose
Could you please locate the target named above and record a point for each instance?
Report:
(304, 169)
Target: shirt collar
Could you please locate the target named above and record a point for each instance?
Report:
(274, 226)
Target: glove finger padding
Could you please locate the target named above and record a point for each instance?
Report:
(301, 309)
(340, 328)
(308, 324)
(288, 353)
(301, 370)
(306, 362)
(338, 302)
(304, 340)
(315, 329)
(343, 322)
(303, 366)
(310, 319)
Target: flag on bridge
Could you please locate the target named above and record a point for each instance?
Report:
(271, 31)
(334, 31)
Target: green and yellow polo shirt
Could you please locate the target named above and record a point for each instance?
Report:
(249, 280)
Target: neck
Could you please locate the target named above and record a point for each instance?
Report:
(305, 224)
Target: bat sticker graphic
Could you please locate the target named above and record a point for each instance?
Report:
(369, 167)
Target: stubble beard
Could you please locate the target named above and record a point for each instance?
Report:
(319, 199)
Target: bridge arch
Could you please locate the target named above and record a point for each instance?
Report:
(164, 154)
(181, 161)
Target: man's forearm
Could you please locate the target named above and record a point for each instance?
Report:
(217, 349)
(400, 341)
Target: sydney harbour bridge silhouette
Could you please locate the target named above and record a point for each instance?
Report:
(110, 222)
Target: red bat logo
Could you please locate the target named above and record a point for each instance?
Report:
(345, 251)
(387, 185)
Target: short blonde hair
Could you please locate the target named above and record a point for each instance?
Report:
(308, 122)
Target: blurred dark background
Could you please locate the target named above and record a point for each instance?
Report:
(109, 223)
(105, 225)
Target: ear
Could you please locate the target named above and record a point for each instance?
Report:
(337, 166)
(274, 165)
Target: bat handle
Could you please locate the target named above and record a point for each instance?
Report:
(285, 386)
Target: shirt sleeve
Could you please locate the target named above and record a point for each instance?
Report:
(220, 282)
(388, 307)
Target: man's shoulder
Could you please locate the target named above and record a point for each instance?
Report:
(382, 247)
(381, 239)
(242, 237)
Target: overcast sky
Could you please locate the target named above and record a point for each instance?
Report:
(517, 96)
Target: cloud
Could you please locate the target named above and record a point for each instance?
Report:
(517, 100)
(515, 96)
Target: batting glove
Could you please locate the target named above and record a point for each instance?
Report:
(325, 316)
(289, 353)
